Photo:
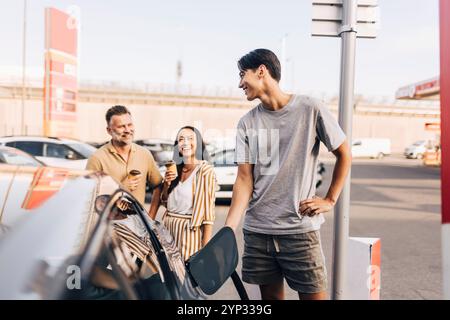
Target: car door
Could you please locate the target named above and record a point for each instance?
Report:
(140, 255)
(60, 155)
(226, 173)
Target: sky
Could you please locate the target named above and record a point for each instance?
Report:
(142, 40)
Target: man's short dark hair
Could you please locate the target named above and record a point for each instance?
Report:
(255, 58)
(116, 111)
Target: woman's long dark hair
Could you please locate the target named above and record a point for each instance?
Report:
(200, 154)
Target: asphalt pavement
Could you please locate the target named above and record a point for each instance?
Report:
(396, 200)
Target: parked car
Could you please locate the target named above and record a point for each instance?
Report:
(161, 149)
(220, 143)
(97, 145)
(226, 172)
(371, 148)
(99, 249)
(25, 188)
(15, 156)
(416, 150)
(53, 151)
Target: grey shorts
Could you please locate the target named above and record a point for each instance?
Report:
(298, 258)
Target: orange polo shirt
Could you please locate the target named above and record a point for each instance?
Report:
(107, 160)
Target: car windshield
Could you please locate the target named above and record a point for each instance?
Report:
(86, 150)
(18, 158)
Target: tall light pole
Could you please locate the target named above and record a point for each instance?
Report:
(287, 63)
(283, 60)
(344, 19)
(24, 55)
(179, 65)
(347, 82)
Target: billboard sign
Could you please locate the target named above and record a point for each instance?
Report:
(60, 81)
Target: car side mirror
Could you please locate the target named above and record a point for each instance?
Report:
(100, 202)
(216, 262)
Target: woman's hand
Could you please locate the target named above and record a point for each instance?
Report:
(207, 231)
(169, 177)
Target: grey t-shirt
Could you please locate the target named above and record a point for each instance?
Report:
(284, 145)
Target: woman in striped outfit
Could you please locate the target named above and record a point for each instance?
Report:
(189, 195)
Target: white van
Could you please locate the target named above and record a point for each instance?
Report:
(371, 148)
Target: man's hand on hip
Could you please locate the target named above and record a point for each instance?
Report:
(316, 205)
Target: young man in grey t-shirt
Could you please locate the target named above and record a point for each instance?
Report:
(277, 146)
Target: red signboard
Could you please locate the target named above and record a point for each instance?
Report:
(429, 87)
(61, 83)
(444, 12)
(419, 90)
(432, 126)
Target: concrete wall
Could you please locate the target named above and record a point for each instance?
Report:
(159, 121)
(163, 121)
(402, 130)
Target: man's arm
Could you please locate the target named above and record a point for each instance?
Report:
(318, 205)
(155, 179)
(93, 164)
(242, 192)
(154, 206)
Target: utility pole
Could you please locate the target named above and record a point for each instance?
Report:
(347, 19)
(24, 55)
(347, 83)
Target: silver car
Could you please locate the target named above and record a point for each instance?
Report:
(416, 150)
(226, 171)
(53, 151)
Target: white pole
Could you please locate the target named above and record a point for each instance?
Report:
(342, 210)
(446, 260)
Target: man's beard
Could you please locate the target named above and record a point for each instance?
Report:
(118, 139)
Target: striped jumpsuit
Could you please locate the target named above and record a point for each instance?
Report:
(186, 229)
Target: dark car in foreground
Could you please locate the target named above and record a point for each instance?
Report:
(82, 237)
